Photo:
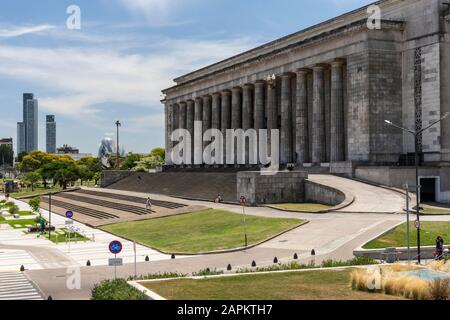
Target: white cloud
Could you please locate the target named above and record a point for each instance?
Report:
(156, 11)
(18, 31)
(81, 79)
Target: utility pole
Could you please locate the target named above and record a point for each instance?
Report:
(118, 124)
(416, 133)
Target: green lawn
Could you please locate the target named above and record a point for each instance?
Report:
(308, 207)
(62, 236)
(308, 285)
(434, 211)
(36, 192)
(397, 236)
(202, 231)
(19, 223)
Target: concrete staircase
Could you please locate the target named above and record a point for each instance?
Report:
(194, 185)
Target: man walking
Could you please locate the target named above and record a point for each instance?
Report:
(148, 204)
(439, 248)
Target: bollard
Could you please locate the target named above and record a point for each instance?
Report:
(254, 263)
(295, 256)
(147, 258)
(88, 263)
(49, 298)
(229, 267)
(173, 256)
(313, 252)
(275, 260)
(22, 268)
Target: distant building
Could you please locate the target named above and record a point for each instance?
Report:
(31, 125)
(6, 141)
(72, 152)
(21, 138)
(27, 130)
(50, 134)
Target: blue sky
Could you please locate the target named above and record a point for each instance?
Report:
(126, 52)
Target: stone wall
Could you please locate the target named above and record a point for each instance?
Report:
(110, 177)
(282, 187)
(318, 193)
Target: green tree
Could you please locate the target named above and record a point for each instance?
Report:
(32, 178)
(84, 173)
(148, 163)
(6, 155)
(35, 205)
(159, 153)
(131, 161)
(96, 177)
(66, 175)
(93, 164)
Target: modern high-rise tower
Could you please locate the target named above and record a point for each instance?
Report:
(51, 134)
(27, 130)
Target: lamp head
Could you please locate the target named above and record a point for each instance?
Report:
(387, 121)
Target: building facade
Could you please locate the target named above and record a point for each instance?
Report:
(50, 134)
(335, 85)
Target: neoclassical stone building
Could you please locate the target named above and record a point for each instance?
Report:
(335, 85)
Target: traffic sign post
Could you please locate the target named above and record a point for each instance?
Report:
(243, 202)
(69, 215)
(115, 247)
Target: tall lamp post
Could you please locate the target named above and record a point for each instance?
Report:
(118, 124)
(416, 133)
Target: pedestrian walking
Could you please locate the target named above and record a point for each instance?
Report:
(148, 204)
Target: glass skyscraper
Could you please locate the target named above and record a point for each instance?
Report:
(51, 134)
(27, 130)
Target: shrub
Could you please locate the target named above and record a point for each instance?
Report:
(13, 210)
(35, 204)
(117, 289)
(357, 261)
(165, 275)
(207, 272)
(440, 289)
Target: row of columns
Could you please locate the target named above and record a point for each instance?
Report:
(245, 108)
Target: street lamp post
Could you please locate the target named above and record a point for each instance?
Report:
(118, 124)
(416, 133)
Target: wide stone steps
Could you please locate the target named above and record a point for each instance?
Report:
(81, 210)
(104, 203)
(158, 203)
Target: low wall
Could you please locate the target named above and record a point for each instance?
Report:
(318, 193)
(113, 176)
(282, 187)
(426, 253)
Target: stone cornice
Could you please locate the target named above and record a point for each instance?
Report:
(360, 25)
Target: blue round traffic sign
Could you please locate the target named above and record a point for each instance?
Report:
(115, 247)
(69, 214)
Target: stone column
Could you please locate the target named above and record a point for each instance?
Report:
(206, 116)
(286, 120)
(301, 142)
(236, 108)
(190, 125)
(327, 99)
(225, 119)
(259, 112)
(247, 107)
(182, 122)
(236, 114)
(337, 112)
(216, 112)
(175, 121)
(198, 116)
(272, 112)
(168, 119)
(318, 152)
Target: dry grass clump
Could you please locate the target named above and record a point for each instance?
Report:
(442, 266)
(392, 282)
(440, 289)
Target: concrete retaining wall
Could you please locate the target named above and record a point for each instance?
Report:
(281, 187)
(319, 193)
